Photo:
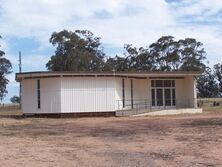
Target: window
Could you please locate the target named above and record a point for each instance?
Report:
(153, 97)
(132, 94)
(123, 92)
(163, 93)
(38, 94)
(167, 83)
(159, 83)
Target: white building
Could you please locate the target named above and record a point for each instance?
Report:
(102, 92)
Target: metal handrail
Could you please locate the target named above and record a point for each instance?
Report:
(138, 104)
(146, 104)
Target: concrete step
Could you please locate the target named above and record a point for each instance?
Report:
(125, 113)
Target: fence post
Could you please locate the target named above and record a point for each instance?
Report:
(145, 104)
(136, 108)
(118, 104)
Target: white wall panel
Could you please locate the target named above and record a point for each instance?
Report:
(29, 96)
(88, 94)
(94, 94)
(185, 92)
(49, 95)
(140, 91)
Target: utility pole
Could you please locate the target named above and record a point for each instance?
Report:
(20, 86)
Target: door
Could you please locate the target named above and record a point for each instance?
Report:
(163, 93)
(159, 97)
(167, 97)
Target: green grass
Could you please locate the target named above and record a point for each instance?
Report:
(209, 103)
(213, 109)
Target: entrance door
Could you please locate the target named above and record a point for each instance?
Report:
(163, 93)
(167, 97)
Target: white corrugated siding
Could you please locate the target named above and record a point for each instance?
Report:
(49, 92)
(186, 92)
(87, 94)
(141, 91)
(93, 94)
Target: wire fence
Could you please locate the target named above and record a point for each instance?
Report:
(9, 107)
(209, 102)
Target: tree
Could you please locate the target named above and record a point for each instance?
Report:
(5, 69)
(185, 55)
(15, 99)
(133, 60)
(192, 55)
(165, 53)
(81, 51)
(76, 51)
(207, 85)
(117, 64)
(218, 75)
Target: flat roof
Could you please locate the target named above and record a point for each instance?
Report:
(50, 74)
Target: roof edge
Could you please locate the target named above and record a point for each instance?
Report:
(20, 76)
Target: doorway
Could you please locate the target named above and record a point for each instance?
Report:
(163, 93)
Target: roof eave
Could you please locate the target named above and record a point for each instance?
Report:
(21, 76)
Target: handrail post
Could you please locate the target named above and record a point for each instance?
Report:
(118, 104)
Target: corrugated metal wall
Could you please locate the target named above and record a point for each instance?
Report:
(141, 91)
(93, 94)
(186, 92)
(88, 94)
(49, 92)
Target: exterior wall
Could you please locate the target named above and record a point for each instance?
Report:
(186, 92)
(119, 93)
(140, 92)
(191, 93)
(49, 96)
(96, 94)
(87, 94)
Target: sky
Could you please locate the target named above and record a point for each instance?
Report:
(26, 26)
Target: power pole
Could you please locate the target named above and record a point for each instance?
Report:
(20, 63)
(20, 86)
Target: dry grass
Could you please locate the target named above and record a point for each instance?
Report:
(186, 140)
(9, 107)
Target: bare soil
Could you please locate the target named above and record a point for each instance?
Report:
(183, 141)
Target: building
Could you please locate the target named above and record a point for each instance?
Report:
(106, 92)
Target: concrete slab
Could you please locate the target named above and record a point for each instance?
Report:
(171, 112)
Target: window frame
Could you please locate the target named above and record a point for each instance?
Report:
(38, 94)
(172, 88)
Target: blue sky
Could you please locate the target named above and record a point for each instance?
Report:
(26, 26)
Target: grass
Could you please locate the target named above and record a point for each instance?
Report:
(191, 140)
(9, 107)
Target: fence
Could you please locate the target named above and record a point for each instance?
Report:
(9, 107)
(209, 102)
(137, 106)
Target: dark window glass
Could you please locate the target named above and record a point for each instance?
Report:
(167, 83)
(159, 83)
(173, 83)
(159, 96)
(173, 97)
(132, 94)
(123, 92)
(153, 83)
(153, 97)
(167, 94)
(38, 94)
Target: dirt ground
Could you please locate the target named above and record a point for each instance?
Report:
(183, 141)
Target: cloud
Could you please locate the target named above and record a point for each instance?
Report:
(138, 22)
(117, 22)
